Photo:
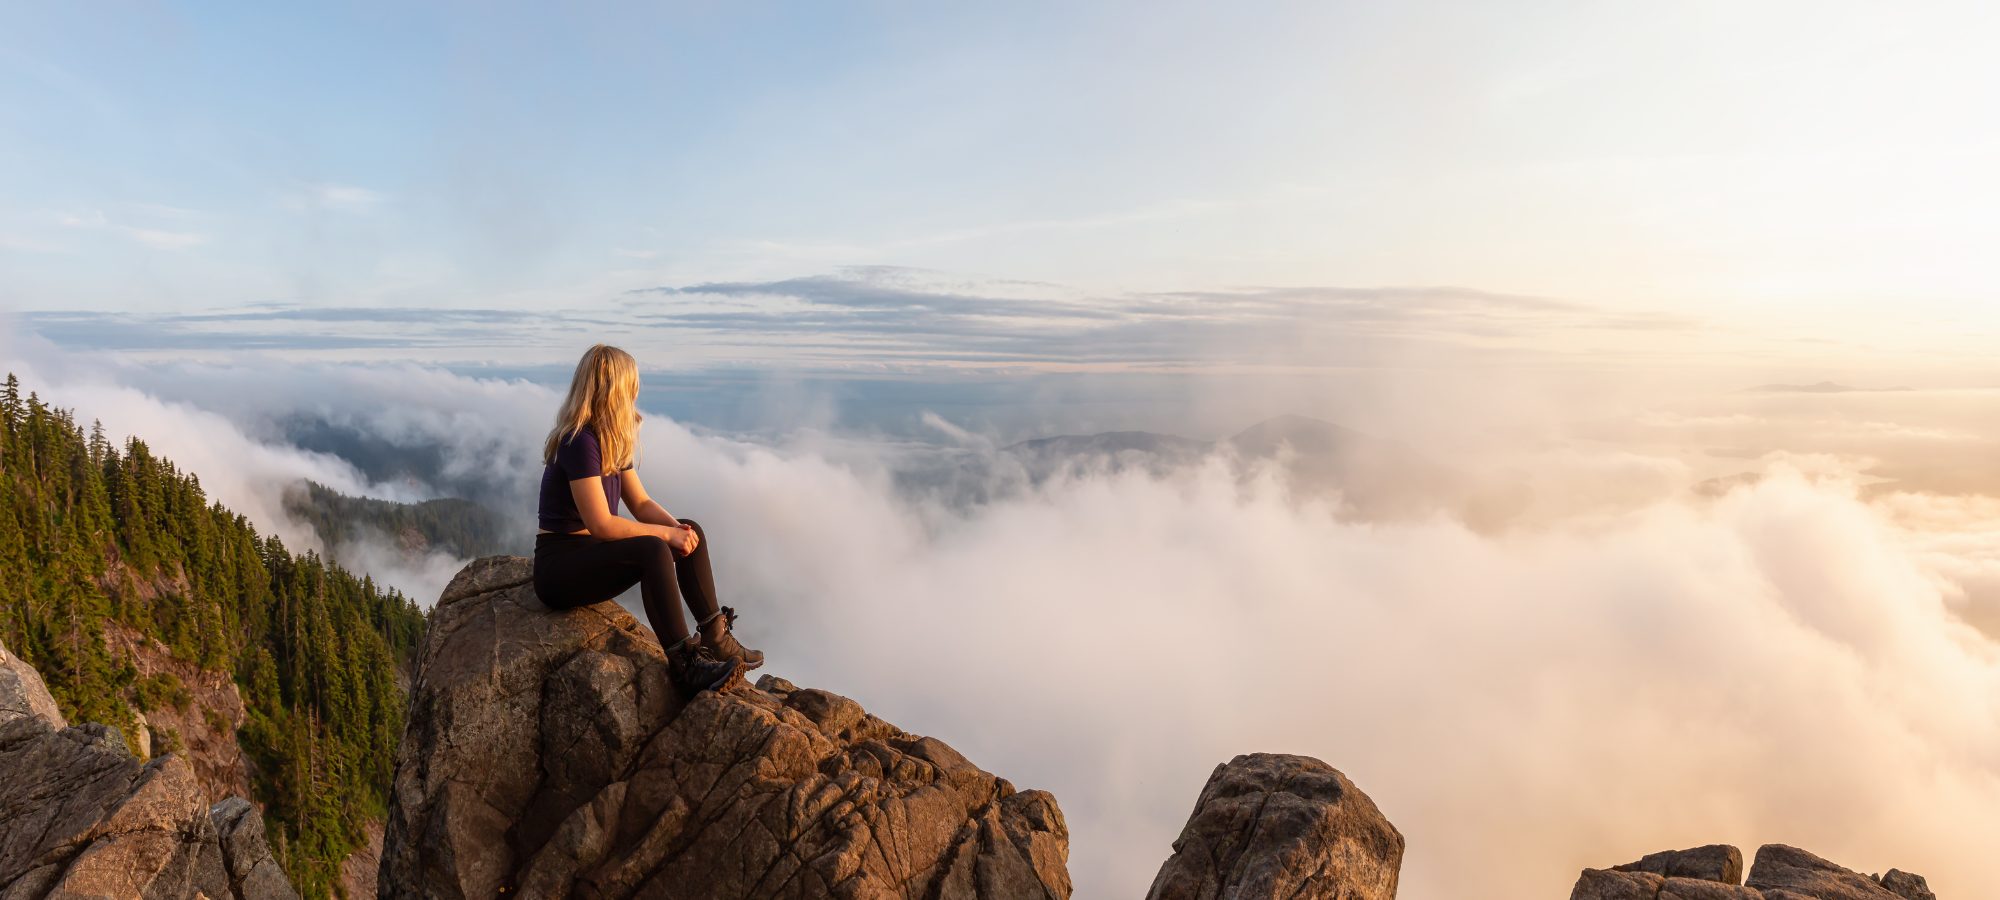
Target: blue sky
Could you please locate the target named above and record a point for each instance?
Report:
(1816, 170)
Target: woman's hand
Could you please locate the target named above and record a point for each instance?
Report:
(681, 538)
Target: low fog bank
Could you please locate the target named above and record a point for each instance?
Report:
(1709, 618)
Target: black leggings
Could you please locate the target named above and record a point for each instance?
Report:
(574, 570)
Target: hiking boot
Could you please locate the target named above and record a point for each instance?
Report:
(718, 639)
(693, 670)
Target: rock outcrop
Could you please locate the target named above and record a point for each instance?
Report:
(81, 817)
(1714, 872)
(204, 731)
(1270, 826)
(1715, 862)
(23, 694)
(547, 754)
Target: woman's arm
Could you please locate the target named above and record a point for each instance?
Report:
(589, 494)
(643, 506)
(646, 509)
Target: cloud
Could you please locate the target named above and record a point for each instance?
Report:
(1635, 667)
(159, 238)
(329, 197)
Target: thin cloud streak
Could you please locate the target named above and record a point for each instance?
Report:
(869, 315)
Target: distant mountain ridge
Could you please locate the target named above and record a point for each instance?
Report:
(459, 527)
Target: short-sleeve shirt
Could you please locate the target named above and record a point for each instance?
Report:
(577, 457)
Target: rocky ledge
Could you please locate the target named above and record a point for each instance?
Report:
(81, 817)
(547, 754)
(1715, 872)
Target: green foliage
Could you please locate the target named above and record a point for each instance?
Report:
(91, 533)
(162, 690)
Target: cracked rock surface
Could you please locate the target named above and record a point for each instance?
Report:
(81, 817)
(546, 755)
(1778, 873)
(1271, 825)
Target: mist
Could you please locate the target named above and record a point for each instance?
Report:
(1630, 659)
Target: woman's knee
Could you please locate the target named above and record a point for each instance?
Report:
(652, 549)
(696, 526)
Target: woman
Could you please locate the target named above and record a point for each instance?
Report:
(586, 553)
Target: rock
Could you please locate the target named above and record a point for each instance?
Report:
(1271, 825)
(1703, 889)
(1782, 872)
(1714, 862)
(1906, 885)
(545, 753)
(358, 871)
(23, 695)
(1709, 873)
(80, 816)
(1609, 884)
(142, 735)
(246, 855)
(206, 728)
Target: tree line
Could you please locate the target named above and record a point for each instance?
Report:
(92, 532)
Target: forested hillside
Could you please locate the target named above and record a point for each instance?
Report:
(91, 532)
(459, 527)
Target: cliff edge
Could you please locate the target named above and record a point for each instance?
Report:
(547, 755)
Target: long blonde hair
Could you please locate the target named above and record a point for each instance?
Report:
(603, 394)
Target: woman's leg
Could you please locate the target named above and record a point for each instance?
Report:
(697, 581)
(601, 570)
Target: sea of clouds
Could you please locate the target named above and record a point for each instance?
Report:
(1632, 658)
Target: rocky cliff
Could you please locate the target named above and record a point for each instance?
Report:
(81, 817)
(1715, 872)
(546, 754)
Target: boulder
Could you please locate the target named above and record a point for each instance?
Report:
(1710, 873)
(1273, 825)
(1906, 885)
(246, 855)
(545, 753)
(24, 695)
(1714, 862)
(1788, 872)
(1611, 884)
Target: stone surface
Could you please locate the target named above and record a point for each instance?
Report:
(1610, 884)
(1780, 870)
(546, 754)
(204, 730)
(359, 870)
(1704, 889)
(1714, 862)
(1906, 885)
(1271, 825)
(23, 694)
(1709, 873)
(246, 855)
(81, 817)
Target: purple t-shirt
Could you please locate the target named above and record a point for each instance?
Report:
(576, 458)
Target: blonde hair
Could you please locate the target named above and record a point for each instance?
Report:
(602, 395)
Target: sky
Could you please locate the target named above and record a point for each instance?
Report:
(1814, 166)
(1571, 266)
